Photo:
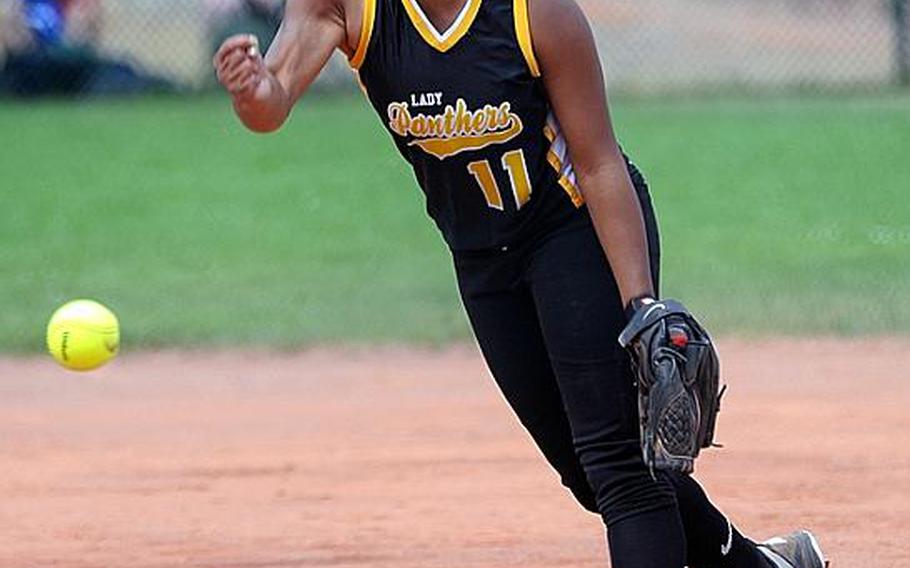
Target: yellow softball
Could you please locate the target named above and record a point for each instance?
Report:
(83, 335)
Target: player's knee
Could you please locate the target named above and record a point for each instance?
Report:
(633, 497)
(623, 486)
(582, 492)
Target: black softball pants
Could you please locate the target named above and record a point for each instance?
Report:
(547, 314)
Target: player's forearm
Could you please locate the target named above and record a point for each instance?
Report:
(267, 109)
(620, 226)
(265, 89)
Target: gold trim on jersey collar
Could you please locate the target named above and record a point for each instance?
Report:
(442, 41)
(366, 34)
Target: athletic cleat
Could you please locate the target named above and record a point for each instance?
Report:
(796, 550)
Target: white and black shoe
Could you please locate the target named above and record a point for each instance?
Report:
(796, 550)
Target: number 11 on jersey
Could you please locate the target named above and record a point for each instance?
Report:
(514, 163)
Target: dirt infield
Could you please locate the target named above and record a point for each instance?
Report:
(410, 459)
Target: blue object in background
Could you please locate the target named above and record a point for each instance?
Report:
(51, 67)
(46, 21)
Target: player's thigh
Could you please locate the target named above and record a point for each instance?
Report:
(505, 325)
(581, 315)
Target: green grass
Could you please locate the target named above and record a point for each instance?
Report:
(788, 216)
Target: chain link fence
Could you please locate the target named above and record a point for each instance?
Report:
(660, 45)
(649, 46)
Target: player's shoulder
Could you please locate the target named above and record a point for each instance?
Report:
(347, 14)
(336, 10)
(557, 26)
(555, 14)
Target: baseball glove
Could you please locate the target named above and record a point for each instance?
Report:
(678, 379)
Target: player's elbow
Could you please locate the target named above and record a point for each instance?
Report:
(263, 126)
(262, 122)
(594, 178)
(262, 117)
(598, 160)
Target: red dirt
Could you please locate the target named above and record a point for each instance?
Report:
(411, 459)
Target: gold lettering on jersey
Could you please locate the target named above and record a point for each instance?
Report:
(458, 129)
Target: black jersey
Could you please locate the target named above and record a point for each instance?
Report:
(467, 109)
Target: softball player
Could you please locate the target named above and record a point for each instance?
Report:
(500, 107)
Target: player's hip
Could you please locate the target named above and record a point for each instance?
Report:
(562, 242)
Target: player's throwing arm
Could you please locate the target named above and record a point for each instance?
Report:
(264, 89)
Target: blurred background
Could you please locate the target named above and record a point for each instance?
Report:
(775, 134)
(650, 46)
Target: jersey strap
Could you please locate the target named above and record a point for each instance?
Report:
(523, 31)
(367, 24)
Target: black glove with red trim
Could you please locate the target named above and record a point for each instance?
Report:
(678, 376)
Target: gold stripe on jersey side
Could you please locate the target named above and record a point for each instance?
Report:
(448, 40)
(523, 30)
(556, 162)
(574, 194)
(549, 133)
(366, 33)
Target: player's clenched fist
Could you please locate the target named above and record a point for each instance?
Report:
(239, 65)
